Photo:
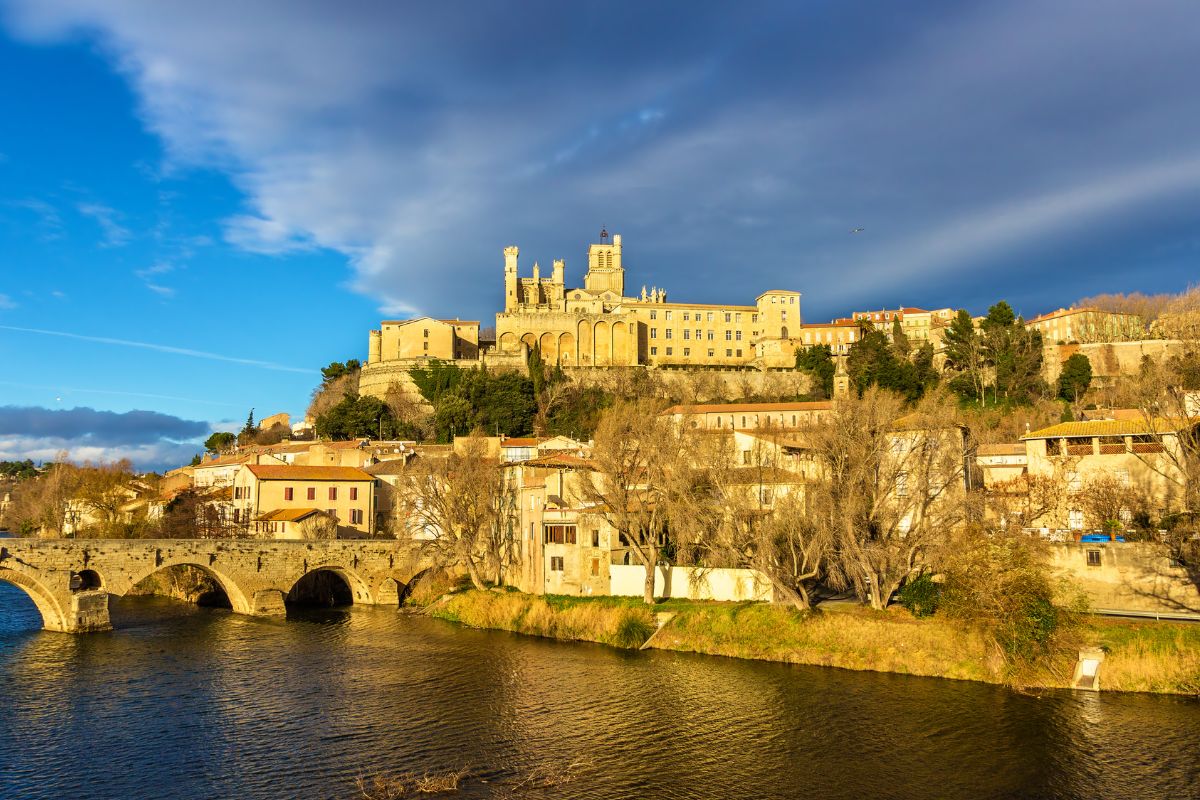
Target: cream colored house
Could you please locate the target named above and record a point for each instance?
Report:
(344, 493)
(749, 416)
(424, 338)
(1085, 325)
(917, 323)
(1137, 454)
(564, 547)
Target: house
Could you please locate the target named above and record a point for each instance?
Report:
(345, 494)
(565, 546)
(750, 416)
(1143, 456)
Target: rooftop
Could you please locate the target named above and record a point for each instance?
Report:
(281, 472)
(734, 408)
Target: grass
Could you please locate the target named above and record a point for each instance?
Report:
(1148, 656)
(1141, 656)
(617, 624)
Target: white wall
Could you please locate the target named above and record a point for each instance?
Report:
(690, 583)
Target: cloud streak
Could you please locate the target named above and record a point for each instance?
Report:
(161, 348)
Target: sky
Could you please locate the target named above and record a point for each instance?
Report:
(201, 204)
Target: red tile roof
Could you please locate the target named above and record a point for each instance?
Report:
(273, 472)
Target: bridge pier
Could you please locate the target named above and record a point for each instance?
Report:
(88, 613)
(268, 603)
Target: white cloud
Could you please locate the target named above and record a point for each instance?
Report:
(113, 232)
(7, 303)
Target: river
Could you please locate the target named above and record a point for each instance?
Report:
(187, 702)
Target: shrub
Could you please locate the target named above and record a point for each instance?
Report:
(921, 596)
(634, 627)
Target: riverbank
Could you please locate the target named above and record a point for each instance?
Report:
(1140, 656)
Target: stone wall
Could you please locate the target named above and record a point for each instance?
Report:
(1109, 360)
(1129, 576)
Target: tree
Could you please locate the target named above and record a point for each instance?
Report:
(319, 526)
(1014, 353)
(39, 505)
(872, 361)
(1075, 378)
(750, 513)
(899, 339)
(220, 442)
(640, 462)
(965, 355)
(817, 361)
(889, 482)
(459, 512)
(249, 430)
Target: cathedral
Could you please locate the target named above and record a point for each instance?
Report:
(598, 325)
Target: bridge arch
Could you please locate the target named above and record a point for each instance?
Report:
(238, 600)
(360, 591)
(392, 588)
(53, 616)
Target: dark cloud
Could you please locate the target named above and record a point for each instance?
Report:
(147, 438)
(1045, 150)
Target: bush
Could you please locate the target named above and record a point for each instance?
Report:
(633, 628)
(921, 596)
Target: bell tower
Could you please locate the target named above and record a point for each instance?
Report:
(605, 272)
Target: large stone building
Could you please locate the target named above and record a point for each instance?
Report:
(599, 325)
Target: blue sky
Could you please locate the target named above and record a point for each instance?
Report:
(213, 200)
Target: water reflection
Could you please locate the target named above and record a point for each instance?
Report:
(230, 706)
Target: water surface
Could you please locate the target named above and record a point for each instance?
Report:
(183, 702)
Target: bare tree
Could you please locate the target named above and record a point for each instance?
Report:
(890, 483)
(39, 505)
(459, 510)
(319, 526)
(639, 462)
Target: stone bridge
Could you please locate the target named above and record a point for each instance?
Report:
(70, 580)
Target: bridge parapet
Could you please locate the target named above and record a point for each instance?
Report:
(70, 580)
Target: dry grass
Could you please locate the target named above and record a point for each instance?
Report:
(410, 784)
(846, 637)
(1142, 656)
(1148, 656)
(616, 624)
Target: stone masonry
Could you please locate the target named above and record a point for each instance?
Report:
(70, 580)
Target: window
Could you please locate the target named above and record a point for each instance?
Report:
(427, 333)
(556, 563)
(737, 317)
(687, 351)
(1122, 476)
(1093, 558)
(668, 351)
(426, 345)
(653, 315)
(237, 515)
(356, 516)
(783, 315)
(654, 333)
(687, 334)
(1074, 483)
(653, 351)
(699, 334)
(669, 332)
(728, 353)
(333, 493)
(1075, 519)
(559, 534)
(709, 316)
(288, 493)
(743, 422)
(754, 317)
(711, 352)
(710, 336)
(595, 538)
(902, 484)
(729, 336)
(728, 317)
(745, 453)
(667, 315)
(739, 353)
(738, 335)
(595, 567)
(686, 318)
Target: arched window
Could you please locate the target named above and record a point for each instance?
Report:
(783, 332)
